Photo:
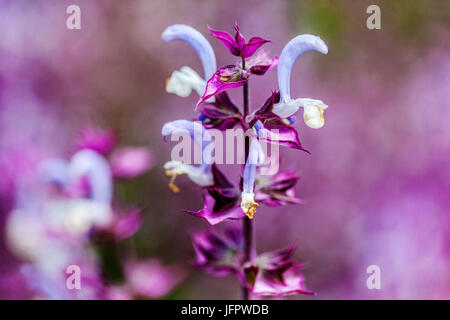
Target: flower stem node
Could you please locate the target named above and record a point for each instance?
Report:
(248, 204)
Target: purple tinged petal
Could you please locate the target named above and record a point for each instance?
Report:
(262, 67)
(235, 237)
(259, 70)
(276, 130)
(239, 38)
(220, 180)
(213, 218)
(223, 101)
(265, 113)
(282, 134)
(292, 282)
(252, 45)
(99, 140)
(219, 255)
(225, 78)
(278, 190)
(278, 259)
(274, 274)
(261, 62)
(227, 40)
(130, 162)
(294, 49)
(218, 118)
(197, 41)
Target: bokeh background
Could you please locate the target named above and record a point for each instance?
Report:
(376, 184)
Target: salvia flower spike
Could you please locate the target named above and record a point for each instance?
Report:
(273, 273)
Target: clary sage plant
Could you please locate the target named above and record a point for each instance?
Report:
(267, 274)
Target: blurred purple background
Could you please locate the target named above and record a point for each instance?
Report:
(376, 184)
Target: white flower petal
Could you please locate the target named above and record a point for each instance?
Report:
(200, 175)
(286, 108)
(183, 81)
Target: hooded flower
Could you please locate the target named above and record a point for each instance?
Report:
(313, 110)
(274, 128)
(185, 80)
(86, 182)
(200, 174)
(219, 255)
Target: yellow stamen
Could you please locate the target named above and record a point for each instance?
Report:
(322, 117)
(173, 187)
(171, 184)
(251, 210)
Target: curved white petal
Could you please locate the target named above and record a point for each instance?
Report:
(197, 41)
(293, 49)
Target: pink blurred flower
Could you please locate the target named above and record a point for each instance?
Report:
(99, 140)
(130, 162)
